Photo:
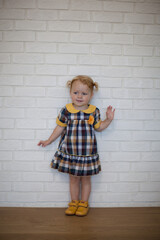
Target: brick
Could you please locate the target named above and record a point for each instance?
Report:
(36, 113)
(127, 93)
(12, 14)
(107, 17)
(146, 41)
(4, 58)
(6, 91)
(40, 47)
(118, 6)
(73, 48)
(85, 38)
(6, 155)
(134, 177)
(27, 58)
(146, 72)
(27, 187)
(128, 125)
(12, 113)
(138, 51)
(126, 61)
(42, 15)
(155, 146)
(139, 18)
(30, 25)
(104, 49)
(28, 156)
(155, 177)
(94, 60)
(125, 156)
(6, 25)
(135, 114)
(149, 187)
(128, 28)
(53, 36)
(135, 146)
(29, 91)
(18, 166)
(146, 104)
(53, 4)
(19, 102)
(7, 123)
(118, 135)
(118, 104)
(151, 62)
(37, 177)
(86, 70)
(5, 187)
(123, 187)
(18, 69)
(151, 93)
(20, 4)
(150, 156)
(40, 81)
(50, 69)
(63, 26)
(10, 145)
(147, 7)
(19, 36)
(11, 177)
(118, 38)
(107, 82)
(146, 135)
(48, 197)
(57, 92)
(75, 15)
(30, 124)
(116, 72)
(18, 134)
(11, 80)
(11, 47)
(146, 166)
(21, 197)
(61, 58)
(137, 83)
(86, 5)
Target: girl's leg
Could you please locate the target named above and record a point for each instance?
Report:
(74, 187)
(85, 188)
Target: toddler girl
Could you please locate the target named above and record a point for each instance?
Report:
(77, 150)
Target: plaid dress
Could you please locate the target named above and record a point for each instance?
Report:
(77, 150)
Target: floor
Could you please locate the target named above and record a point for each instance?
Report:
(99, 224)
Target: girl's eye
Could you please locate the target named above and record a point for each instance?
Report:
(75, 92)
(84, 93)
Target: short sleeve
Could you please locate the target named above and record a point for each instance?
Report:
(97, 119)
(62, 118)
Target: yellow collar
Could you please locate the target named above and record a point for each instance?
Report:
(71, 109)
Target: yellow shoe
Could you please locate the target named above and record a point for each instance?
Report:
(71, 210)
(83, 209)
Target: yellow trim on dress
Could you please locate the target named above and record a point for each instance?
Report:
(97, 125)
(72, 109)
(59, 123)
(77, 155)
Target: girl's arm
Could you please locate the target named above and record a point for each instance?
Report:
(109, 117)
(56, 133)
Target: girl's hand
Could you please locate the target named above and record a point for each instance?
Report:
(110, 113)
(43, 143)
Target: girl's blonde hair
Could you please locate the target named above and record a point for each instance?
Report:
(85, 80)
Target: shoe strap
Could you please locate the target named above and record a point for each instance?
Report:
(73, 204)
(83, 204)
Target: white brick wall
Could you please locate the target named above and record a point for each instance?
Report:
(43, 43)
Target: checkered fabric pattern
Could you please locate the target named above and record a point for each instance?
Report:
(77, 150)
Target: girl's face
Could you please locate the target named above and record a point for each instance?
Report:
(81, 95)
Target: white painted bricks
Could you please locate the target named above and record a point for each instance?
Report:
(43, 44)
